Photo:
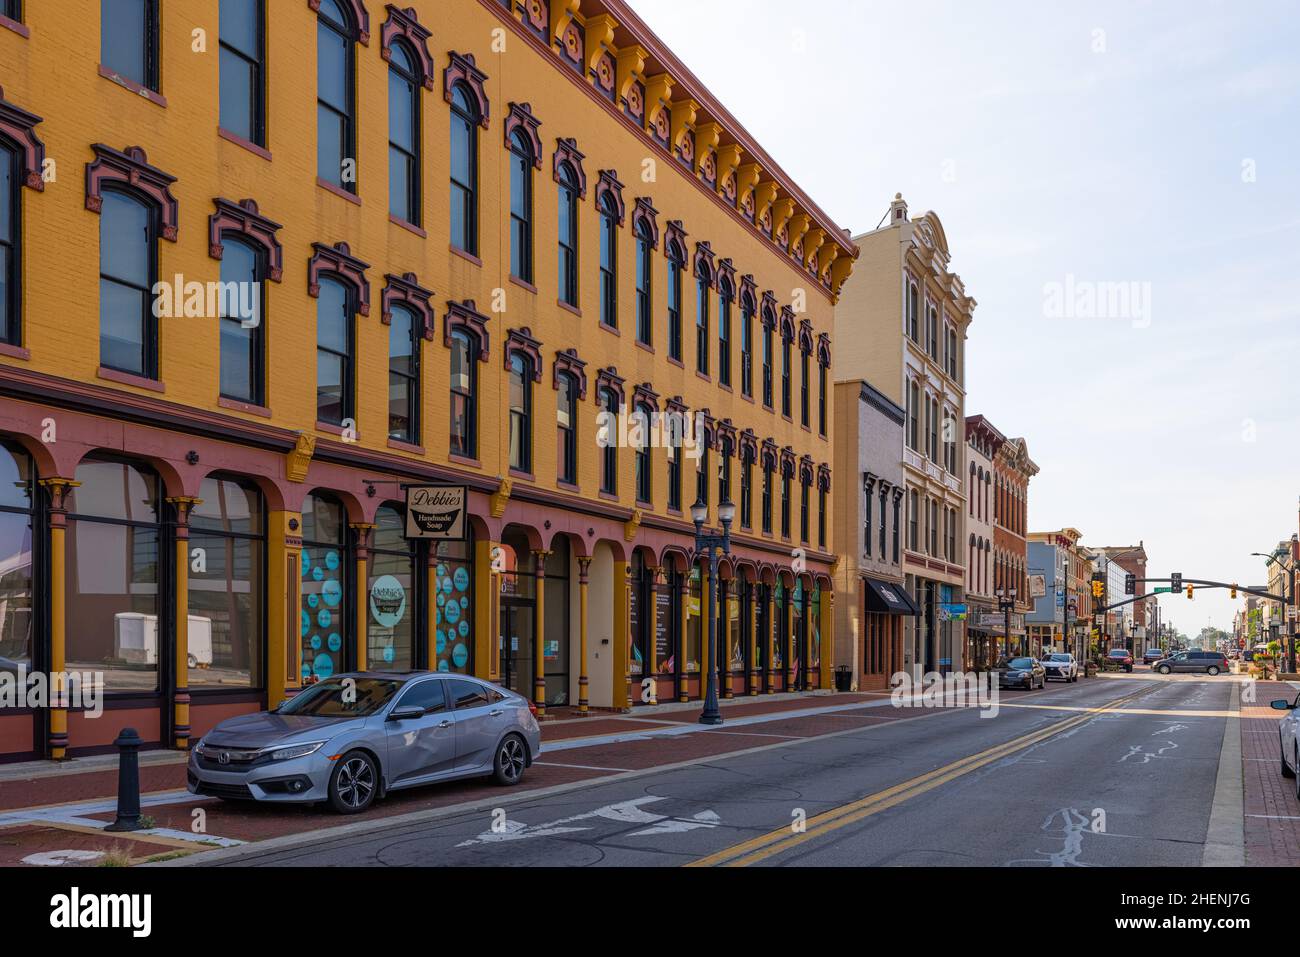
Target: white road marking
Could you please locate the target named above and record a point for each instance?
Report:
(580, 767)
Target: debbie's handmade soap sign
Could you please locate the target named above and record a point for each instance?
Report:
(436, 512)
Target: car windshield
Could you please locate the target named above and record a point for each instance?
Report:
(1016, 663)
(1056, 658)
(342, 698)
(1118, 653)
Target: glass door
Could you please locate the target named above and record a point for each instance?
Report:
(516, 647)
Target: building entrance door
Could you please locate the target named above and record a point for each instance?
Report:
(516, 645)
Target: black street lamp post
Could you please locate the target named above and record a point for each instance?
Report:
(1006, 604)
(712, 544)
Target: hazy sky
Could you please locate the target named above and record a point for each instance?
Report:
(1112, 142)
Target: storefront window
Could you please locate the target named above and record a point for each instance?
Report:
(390, 634)
(694, 624)
(16, 500)
(227, 548)
(815, 634)
(555, 633)
(638, 618)
(325, 606)
(735, 643)
(114, 584)
(454, 637)
(782, 638)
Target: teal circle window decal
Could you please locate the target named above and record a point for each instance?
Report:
(323, 666)
(331, 560)
(335, 642)
(460, 655)
(332, 592)
(462, 579)
(324, 618)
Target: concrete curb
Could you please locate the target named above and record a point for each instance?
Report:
(1225, 838)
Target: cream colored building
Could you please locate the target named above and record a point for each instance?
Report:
(901, 324)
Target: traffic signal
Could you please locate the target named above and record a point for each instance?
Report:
(1234, 591)
(1190, 589)
(1176, 581)
(1096, 589)
(1130, 584)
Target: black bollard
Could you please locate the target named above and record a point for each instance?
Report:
(128, 781)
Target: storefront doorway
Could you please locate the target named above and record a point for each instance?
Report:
(518, 664)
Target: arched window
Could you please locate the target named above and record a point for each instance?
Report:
(726, 296)
(326, 605)
(464, 170)
(702, 475)
(128, 40)
(521, 206)
(644, 269)
(566, 423)
(464, 414)
(116, 576)
(335, 96)
(243, 327)
(746, 489)
(746, 348)
(17, 610)
(643, 467)
(128, 268)
(724, 471)
(568, 235)
(912, 311)
(674, 452)
(676, 262)
(226, 589)
(913, 520)
(608, 261)
(404, 375)
(521, 412)
(702, 324)
(335, 345)
(390, 593)
(609, 403)
(786, 347)
(785, 504)
(243, 84)
(403, 134)
(767, 365)
(767, 498)
(804, 486)
(805, 388)
(10, 232)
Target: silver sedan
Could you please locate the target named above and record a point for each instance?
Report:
(352, 738)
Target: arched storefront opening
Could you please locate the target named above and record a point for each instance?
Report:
(452, 565)
(393, 594)
(20, 646)
(327, 572)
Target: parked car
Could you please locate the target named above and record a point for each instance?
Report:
(1209, 662)
(1152, 655)
(352, 738)
(1288, 731)
(1020, 673)
(1058, 664)
(1119, 656)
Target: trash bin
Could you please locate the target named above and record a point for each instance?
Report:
(843, 678)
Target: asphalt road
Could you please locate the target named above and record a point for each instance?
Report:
(1105, 772)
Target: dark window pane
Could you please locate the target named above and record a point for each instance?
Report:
(401, 112)
(237, 95)
(124, 239)
(332, 317)
(331, 145)
(240, 22)
(332, 68)
(123, 38)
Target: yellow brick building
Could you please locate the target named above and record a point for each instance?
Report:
(457, 229)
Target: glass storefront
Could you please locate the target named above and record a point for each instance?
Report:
(391, 594)
(454, 603)
(226, 586)
(694, 624)
(16, 611)
(325, 605)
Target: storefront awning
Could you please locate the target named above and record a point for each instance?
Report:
(890, 599)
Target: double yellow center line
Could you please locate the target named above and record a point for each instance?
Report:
(779, 841)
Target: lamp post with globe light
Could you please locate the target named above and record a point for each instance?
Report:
(712, 544)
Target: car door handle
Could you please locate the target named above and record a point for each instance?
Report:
(444, 724)
(495, 714)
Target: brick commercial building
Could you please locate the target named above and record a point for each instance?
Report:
(454, 245)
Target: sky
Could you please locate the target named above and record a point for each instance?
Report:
(1070, 150)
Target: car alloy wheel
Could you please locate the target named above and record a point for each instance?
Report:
(1212, 671)
(1281, 750)
(511, 760)
(1164, 669)
(352, 785)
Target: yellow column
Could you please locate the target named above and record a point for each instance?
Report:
(181, 598)
(684, 604)
(58, 489)
(652, 660)
(284, 607)
(584, 566)
(769, 637)
(539, 634)
(487, 614)
(752, 639)
(622, 632)
(363, 533)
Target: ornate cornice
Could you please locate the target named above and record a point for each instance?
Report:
(567, 361)
(465, 317)
(405, 25)
(521, 340)
(566, 152)
(338, 261)
(131, 169)
(520, 117)
(244, 219)
(20, 126)
(407, 291)
(461, 69)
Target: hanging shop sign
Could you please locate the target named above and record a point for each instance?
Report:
(437, 512)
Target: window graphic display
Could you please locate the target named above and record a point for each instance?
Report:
(454, 603)
(324, 613)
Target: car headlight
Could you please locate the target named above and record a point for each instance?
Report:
(296, 751)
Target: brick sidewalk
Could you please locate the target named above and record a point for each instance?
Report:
(1272, 826)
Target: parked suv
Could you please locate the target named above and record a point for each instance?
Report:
(1152, 655)
(1119, 656)
(1209, 662)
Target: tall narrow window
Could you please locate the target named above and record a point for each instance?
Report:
(746, 491)
(464, 170)
(608, 261)
(804, 487)
(403, 134)
(785, 504)
(898, 501)
(404, 376)
(821, 518)
(521, 412)
(932, 333)
(913, 416)
(643, 467)
(676, 260)
(568, 236)
(10, 231)
(128, 267)
(335, 97)
(609, 460)
(821, 399)
(566, 424)
(13, 9)
(913, 520)
(866, 519)
(243, 324)
(767, 500)
(335, 341)
(912, 332)
(786, 347)
(644, 299)
(702, 475)
(674, 475)
(243, 86)
(725, 298)
(746, 349)
(805, 388)
(767, 366)
(464, 387)
(521, 206)
(724, 472)
(128, 40)
(702, 325)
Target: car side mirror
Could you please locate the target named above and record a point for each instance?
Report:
(405, 714)
(1282, 705)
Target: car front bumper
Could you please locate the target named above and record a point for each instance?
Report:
(298, 781)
